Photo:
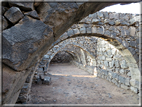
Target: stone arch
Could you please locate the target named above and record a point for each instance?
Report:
(22, 49)
(49, 23)
(69, 51)
(112, 32)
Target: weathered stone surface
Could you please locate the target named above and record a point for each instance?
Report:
(32, 14)
(14, 14)
(4, 9)
(135, 90)
(47, 80)
(64, 36)
(124, 64)
(70, 32)
(117, 64)
(125, 87)
(12, 84)
(95, 21)
(21, 40)
(121, 79)
(106, 63)
(83, 30)
(4, 23)
(23, 6)
(134, 83)
(122, 71)
(127, 81)
(117, 22)
(76, 31)
(25, 88)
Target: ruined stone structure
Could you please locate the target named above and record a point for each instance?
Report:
(30, 30)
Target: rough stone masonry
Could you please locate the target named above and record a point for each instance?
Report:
(29, 29)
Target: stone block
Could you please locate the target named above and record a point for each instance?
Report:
(28, 6)
(4, 9)
(64, 36)
(39, 69)
(134, 89)
(46, 56)
(124, 43)
(106, 21)
(108, 59)
(117, 22)
(95, 21)
(107, 33)
(76, 31)
(125, 87)
(117, 70)
(32, 14)
(123, 64)
(100, 14)
(127, 81)
(4, 23)
(133, 43)
(129, 74)
(121, 79)
(14, 14)
(111, 22)
(47, 80)
(22, 99)
(105, 72)
(82, 30)
(117, 64)
(25, 88)
(114, 81)
(122, 71)
(89, 30)
(24, 36)
(132, 31)
(70, 33)
(106, 16)
(115, 76)
(110, 74)
(106, 63)
(38, 81)
(134, 83)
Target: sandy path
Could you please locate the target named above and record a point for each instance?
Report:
(71, 85)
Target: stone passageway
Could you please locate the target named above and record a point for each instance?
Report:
(71, 85)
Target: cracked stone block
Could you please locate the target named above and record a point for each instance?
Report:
(14, 14)
(47, 80)
(32, 14)
(23, 6)
(21, 40)
(4, 23)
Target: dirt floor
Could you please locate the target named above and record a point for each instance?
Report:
(71, 85)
